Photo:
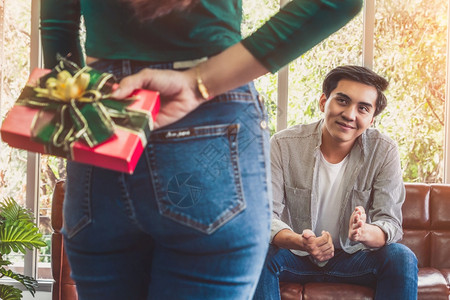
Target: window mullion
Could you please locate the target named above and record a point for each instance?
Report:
(33, 159)
(282, 92)
(368, 33)
(447, 107)
(2, 42)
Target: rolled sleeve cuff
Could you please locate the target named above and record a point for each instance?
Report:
(276, 227)
(393, 233)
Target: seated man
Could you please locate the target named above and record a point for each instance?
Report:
(338, 193)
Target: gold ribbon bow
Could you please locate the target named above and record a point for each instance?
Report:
(66, 87)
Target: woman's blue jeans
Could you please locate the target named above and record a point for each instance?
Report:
(390, 270)
(192, 222)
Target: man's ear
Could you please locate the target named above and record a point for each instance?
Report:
(322, 101)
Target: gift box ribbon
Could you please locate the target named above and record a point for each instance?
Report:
(74, 105)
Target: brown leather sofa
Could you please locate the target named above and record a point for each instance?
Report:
(426, 225)
(64, 287)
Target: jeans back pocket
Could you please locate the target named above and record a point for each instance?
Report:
(196, 176)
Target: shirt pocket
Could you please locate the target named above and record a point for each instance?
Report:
(361, 198)
(298, 204)
(196, 175)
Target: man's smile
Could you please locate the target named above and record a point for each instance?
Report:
(345, 125)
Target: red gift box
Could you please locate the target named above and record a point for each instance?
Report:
(121, 152)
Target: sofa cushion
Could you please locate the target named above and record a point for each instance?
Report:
(291, 291)
(416, 213)
(333, 291)
(440, 225)
(440, 249)
(440, 207)
(432, 284)
(419, 242)
(446, 273)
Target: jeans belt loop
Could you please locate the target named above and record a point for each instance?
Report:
(126, 67)
(186, 64)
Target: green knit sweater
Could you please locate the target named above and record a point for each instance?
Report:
(112, 31)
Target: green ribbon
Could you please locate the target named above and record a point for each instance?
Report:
(91, 117)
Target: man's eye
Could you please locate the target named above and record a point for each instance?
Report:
(364, 108)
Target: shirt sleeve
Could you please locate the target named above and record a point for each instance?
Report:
(296, 28)
(277, 188)
(388, 197)
(60, 31)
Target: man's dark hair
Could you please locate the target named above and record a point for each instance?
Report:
(358, 74)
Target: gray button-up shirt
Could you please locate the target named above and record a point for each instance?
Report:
(373, 180)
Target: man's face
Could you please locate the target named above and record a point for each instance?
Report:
(348, 111)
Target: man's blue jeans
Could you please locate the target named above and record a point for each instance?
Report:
(192, 222)
(390, 270)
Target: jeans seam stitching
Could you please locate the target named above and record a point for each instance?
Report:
(87, 216)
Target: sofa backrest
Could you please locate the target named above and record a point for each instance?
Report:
(426, 223)
(64, 287)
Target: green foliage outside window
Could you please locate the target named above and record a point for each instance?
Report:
(410, 39)
(409, 50)
(18, 232)
(15, 62)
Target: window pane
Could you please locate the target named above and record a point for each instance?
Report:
(52, 170)
(255, 13)
(14, 72)
(306, 74)
(410, 50)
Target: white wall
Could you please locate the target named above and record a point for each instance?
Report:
(37, 296)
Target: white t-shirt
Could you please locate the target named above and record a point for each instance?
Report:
(331, 194)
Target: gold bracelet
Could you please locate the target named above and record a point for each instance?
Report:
(201, 86)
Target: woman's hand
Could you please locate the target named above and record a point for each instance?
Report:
(178, 91)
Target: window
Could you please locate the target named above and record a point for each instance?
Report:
(403, 40)
(24, 176)
(415, 32)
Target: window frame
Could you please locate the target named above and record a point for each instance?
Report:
(33, 159)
